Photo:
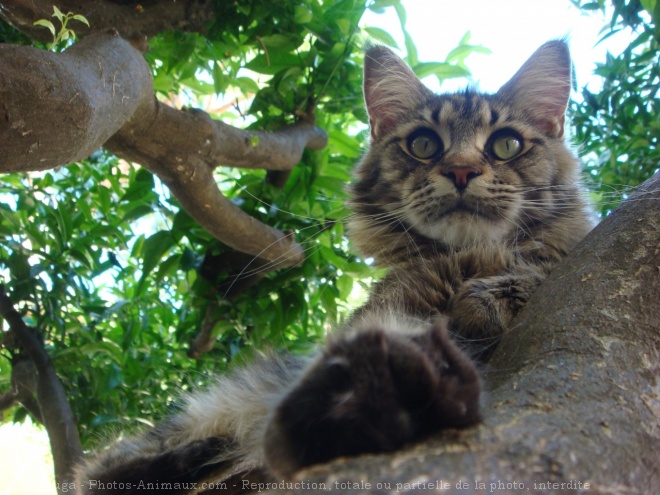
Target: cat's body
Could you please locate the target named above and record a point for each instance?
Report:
(469, 200)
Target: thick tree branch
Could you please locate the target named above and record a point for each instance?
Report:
(54, 407)
(56, 108)
(151, 18)
(574, 391)
(59, 108)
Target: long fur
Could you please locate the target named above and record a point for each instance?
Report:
(466, 235)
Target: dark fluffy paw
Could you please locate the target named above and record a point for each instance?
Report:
(369, 392)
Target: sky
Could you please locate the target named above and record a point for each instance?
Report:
(511, 29)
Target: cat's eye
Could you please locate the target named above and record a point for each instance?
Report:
(424, 144)
(506, 145)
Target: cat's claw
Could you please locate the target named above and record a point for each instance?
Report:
(370, 392)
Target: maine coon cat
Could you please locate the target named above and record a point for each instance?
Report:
(469, 200)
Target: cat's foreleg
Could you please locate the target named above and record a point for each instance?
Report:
(373, 388)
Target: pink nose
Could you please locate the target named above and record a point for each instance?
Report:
(461, 176)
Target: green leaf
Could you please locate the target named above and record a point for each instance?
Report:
(114, 219)
(220, 80)
(19, 266)
(281, 41)
(345, 26)
(47, 24)
(246, 85)
(411, 49)
(401, 14)
(381, 36)
(345, 145)
(153, 249)
(168, 267)
(58, 13)
(329, 301)
(302, 14)
(460, 53)
(442, 70)
(111, 349)
(466, 38)
(273, 63)
(84, 257)
(81, 18)
(19, 415)
(345, 286)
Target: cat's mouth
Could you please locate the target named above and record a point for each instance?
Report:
(461, 223)
(463, 206)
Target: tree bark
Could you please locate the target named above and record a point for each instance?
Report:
(57, 108)
(573, 391)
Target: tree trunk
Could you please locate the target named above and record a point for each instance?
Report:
(574, 401)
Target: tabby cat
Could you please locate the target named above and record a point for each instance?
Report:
(469, 200)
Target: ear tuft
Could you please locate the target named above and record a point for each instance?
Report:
(391, 89)
(542, 86)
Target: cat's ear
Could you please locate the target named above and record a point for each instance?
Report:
(391, 89)
(542, 86)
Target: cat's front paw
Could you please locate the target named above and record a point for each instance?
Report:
(369, 392)
(482, 310)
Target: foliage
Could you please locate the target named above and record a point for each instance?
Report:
(617, 127)
(64, 33)
(101, 258)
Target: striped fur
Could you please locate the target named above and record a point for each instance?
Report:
(405, 206)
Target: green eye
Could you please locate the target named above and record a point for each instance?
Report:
(424, 144)
(506, 146)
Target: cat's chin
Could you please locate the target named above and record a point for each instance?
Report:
(461, 228)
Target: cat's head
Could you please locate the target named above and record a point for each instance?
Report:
(454, 170)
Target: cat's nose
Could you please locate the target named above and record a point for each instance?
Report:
(461, 176)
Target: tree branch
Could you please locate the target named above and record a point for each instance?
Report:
(151, 18)
(54, 407)
(573, 387)
(24, 381)
(182, 147)
(59, 108)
